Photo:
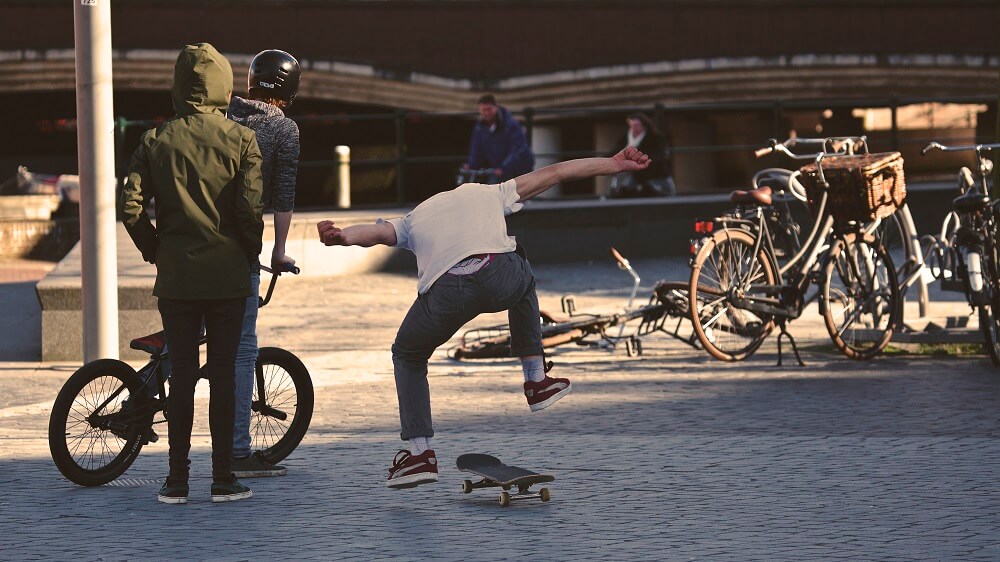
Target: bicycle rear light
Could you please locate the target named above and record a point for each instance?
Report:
(704, 227)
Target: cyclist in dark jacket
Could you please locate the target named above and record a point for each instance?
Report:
(272, 83)
(498, 142)
(204, 172)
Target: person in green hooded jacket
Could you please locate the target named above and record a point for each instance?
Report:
(204, 173)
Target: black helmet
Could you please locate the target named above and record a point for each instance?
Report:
(275, 73)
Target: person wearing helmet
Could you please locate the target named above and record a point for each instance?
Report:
(272, 83)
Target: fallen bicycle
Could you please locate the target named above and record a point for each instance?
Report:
(668, 301)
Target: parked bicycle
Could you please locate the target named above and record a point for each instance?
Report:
(669, 300)
(968, 250)
(740, 290)
(106, 411)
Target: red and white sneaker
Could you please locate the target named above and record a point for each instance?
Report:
(546, 392)
(409, 470)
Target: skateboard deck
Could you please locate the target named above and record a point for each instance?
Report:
(495, 473)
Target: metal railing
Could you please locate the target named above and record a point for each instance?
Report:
(530, 118)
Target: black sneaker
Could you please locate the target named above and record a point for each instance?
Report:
(256, 466)
(230, 491)
(173, 491)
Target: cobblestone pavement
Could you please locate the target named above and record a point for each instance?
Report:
(667, 456)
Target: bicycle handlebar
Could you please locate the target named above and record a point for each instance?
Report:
(836, 144)
(622, 262)
(285, 268)
(944, 148)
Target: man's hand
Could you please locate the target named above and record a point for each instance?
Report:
(631, 159)
(498, 172)
(279, 261)
(330, 234)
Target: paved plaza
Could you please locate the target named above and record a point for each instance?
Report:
(667, 456)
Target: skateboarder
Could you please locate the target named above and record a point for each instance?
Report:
(467, 265)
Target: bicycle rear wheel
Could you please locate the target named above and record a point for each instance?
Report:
(860, 296)
(494, 342)
(90, 438)
(279, 421)
(725, 264)
(989, 315)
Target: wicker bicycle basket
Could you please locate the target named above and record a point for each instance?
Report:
(863, 187)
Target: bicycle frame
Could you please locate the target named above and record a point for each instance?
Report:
(775, 298)
(153, 371)
(786, 298)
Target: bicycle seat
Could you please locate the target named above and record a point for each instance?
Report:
(759, 196)
(152, 344)
(971, 202)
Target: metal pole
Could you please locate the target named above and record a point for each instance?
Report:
(894, 128)
(529, 124)
(400, 155)
(121, 164)
(96, 154)
(343, 176)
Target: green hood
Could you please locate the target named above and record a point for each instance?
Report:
(203, 81)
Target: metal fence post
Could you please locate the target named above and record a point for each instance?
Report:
(660, 116)
(121, 164)
(777, 117)
(529, 123)
(343, 176)
(400, 155)
(894, 135)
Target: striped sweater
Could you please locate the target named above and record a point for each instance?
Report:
(278, 138)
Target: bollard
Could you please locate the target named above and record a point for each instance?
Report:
(343, 176)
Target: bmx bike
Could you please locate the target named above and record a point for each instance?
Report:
(106, 412)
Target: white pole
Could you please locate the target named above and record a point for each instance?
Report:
(343, 176)
(96, 153)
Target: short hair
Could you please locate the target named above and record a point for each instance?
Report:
(259, 94)
(488, 99)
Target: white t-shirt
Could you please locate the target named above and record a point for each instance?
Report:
(453, 225)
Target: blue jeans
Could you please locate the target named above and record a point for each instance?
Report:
(505, 284)
(246, 363)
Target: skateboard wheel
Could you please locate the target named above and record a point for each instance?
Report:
(467, 486)
(544, 494)
(504, 499)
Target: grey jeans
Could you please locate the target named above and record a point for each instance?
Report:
(505, 284)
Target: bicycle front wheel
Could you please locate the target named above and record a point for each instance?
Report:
(93, 438)
(860, 296)
(725, 265)
(282, 404)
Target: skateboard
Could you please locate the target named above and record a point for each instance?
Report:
(497, 474)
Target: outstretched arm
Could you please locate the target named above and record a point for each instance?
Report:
(533, 183)
(356, 235)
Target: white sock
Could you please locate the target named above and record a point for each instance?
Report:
(534, 368)
(419, 444)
